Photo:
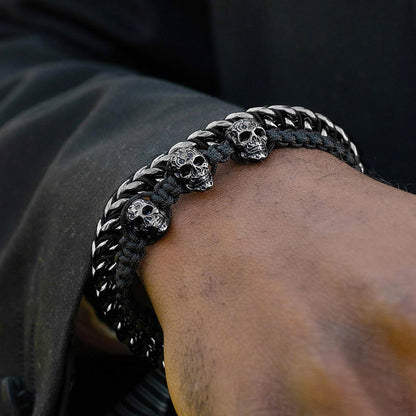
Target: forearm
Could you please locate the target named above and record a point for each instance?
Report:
(288, 275)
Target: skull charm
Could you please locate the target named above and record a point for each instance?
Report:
(191, 167)
(145, 216)
(249, 139)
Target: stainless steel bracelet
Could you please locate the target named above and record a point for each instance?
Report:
(248, 136)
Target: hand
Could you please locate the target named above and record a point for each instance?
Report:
(289, 288)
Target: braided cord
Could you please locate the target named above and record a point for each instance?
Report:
(311, 140)
(118, 248)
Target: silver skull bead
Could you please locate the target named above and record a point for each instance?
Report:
(146, 216)
(249, 139)
(191, 167)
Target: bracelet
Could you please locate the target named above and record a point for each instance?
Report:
(139, 212)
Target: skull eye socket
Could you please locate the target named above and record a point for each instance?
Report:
(259, 131)
(147, 209)
(198, 161)
(245, 135)
(185, 170)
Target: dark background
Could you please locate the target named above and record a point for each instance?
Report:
(353, 61)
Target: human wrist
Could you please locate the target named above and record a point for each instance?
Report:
(302, 196)
(233, 303)
(273, 199)
(138, 213)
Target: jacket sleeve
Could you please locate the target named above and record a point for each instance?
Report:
(71, 130)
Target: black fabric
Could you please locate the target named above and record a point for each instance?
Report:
(77, 117)
(62, 153)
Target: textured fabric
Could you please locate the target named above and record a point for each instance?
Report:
(149, 398)
(73, 126)
(65, 147)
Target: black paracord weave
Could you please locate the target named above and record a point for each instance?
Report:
(139, 212)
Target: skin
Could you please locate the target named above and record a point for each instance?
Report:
(289, 289)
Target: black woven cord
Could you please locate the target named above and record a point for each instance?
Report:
(312, 140)
(218, 153)
(166, 192)
(128, 259)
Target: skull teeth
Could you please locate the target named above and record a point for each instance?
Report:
(160, 224)
(255, 153)
(205, 178)
(203, 183)
(255, 147)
